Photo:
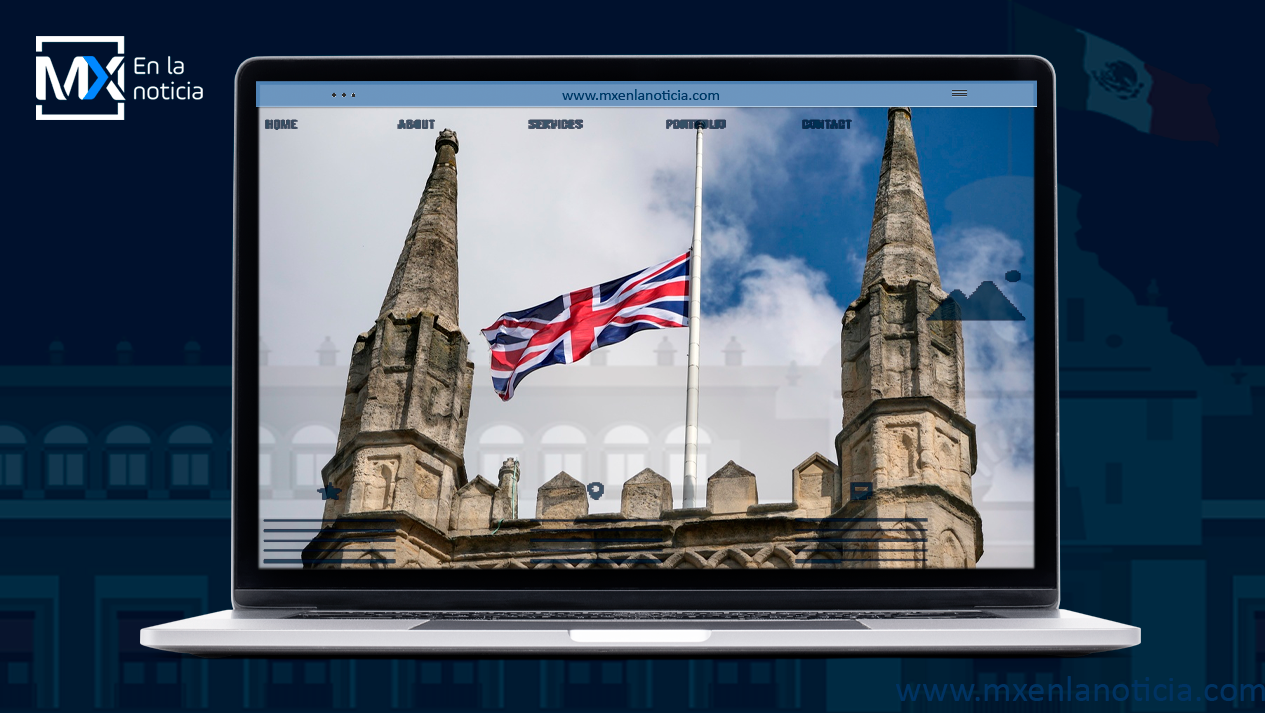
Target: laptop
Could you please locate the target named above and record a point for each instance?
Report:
(724, 355)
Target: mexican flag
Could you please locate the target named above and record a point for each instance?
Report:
(1097, 75)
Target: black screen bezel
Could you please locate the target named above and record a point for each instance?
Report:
(614, 589)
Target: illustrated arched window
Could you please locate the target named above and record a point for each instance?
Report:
(674, 451)
(65, 458)
(626, 450)
(12, 452)
(190, 457)
(267, 448)
(495, 445)
(562, 448)
(127, 457)
(313, 446)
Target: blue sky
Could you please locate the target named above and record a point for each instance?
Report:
(819, 215)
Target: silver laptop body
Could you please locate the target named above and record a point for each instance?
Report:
(426, 497)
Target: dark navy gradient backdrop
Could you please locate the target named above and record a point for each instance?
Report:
(121, 231)
(144, 237)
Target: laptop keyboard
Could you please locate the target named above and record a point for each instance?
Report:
(643, 615)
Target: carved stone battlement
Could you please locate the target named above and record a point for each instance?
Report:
(735, 531)
(906, 528)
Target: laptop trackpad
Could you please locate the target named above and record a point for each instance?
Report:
(640, 636)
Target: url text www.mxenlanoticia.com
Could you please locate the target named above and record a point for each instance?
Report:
(635, 95)
(1144, 690)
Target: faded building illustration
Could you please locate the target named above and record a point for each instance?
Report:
(902, 498)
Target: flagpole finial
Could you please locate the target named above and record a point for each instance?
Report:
(446, 148)
(447, 137)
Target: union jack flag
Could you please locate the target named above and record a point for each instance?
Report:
(568, 327)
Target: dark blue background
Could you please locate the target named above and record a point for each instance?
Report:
(122, 231)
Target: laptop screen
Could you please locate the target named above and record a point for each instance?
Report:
(655, 325)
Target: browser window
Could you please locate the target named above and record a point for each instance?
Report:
(643, 325)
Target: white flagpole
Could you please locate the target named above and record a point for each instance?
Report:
(691, 384)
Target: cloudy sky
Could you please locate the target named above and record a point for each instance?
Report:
(787, 214)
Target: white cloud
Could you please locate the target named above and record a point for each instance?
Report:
(784, 314)
(999, 360)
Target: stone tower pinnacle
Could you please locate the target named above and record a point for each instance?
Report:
(906, 441)
(402, 433)
(900, 236)
(425, 278)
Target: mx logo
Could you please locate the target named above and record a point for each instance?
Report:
(85, 79)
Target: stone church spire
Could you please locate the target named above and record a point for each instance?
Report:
(900, 236)
(906, 442)
(425, 278)
(402, 433)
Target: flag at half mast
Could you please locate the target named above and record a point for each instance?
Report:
(568, 327)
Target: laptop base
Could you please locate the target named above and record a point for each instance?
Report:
(299, 633)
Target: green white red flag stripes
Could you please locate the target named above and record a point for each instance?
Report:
(1097, 75)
